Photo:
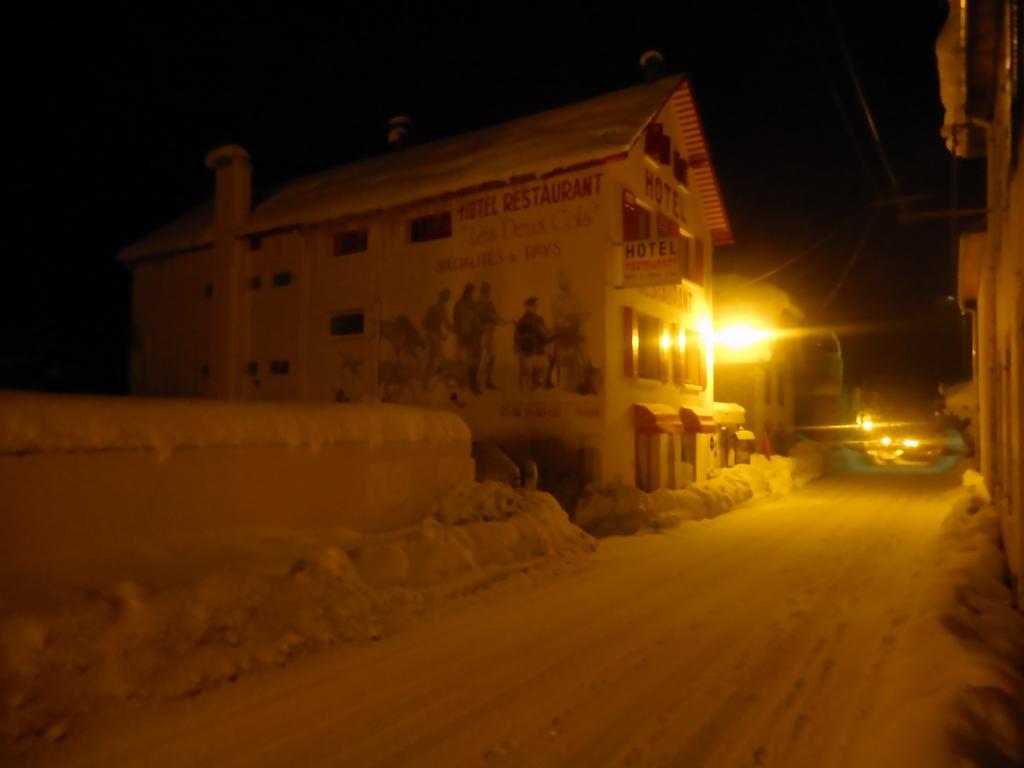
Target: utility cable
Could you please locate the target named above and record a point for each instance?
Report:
(849, 263)
(810, 249)
(864, 104)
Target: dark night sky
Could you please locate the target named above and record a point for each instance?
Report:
(113, 111)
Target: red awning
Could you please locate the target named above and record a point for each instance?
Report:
(656, 418)
(697, 420)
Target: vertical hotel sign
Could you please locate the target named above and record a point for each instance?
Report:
(653, 262)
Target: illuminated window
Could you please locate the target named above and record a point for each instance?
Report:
(279, 367)
(281, 279)
(433, 227)
(353, 241)
(636, 220)
(347, 324)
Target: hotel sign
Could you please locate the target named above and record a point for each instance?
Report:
(653, 262)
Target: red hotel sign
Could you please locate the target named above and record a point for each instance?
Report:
(653, 262)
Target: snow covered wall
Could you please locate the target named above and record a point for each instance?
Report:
(84, 475)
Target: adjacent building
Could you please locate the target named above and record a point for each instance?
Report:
(981, 78)
(548, 279)
(787, 378)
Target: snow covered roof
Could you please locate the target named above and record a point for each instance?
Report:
(190, 232)
(559, 140)
(33, 423)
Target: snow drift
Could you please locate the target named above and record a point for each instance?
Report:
(966, 674)
(623, 510)
(87, 647)
(90, 480)
(37, 423)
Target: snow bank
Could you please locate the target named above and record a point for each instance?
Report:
(84, 476)
(257, 604)
(623, 510)
(31, 423)
(966, 676)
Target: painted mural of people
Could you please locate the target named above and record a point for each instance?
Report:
(489, 321)
(435, 325)
(468, 335)
(530, 340)
(569, 356)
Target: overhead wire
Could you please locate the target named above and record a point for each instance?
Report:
(810, 249)
(849, 262)
(864, 103)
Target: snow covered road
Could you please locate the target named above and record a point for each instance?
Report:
(774, 635)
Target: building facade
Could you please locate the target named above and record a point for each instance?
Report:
(981, 76)
(548, 279)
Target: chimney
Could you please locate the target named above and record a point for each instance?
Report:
(233, 195)
(653, 65)
(401, 132)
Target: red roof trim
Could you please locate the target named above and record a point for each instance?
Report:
(704, 174)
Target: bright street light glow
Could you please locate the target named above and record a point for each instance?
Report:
(740, 336)
(867, 425)
(886, 440)
(909, 443)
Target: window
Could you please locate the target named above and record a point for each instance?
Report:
(658, 145)
(347, 324)
(667, 226)
(279, 367)
(255, 282)
(647, 346)
(353, 241)
(282, 278)
(433, 227)
(636, 220)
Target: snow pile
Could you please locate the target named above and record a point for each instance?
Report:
(623, 510)
(810, 460)
(966, 674)
(55, 423)
(87, 647)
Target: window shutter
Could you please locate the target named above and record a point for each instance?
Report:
(665, 353)
(665, 156)
(698, 261)
(703, 364)
(630, 225)
(629, 346)
(678, 363)
(652, 140)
